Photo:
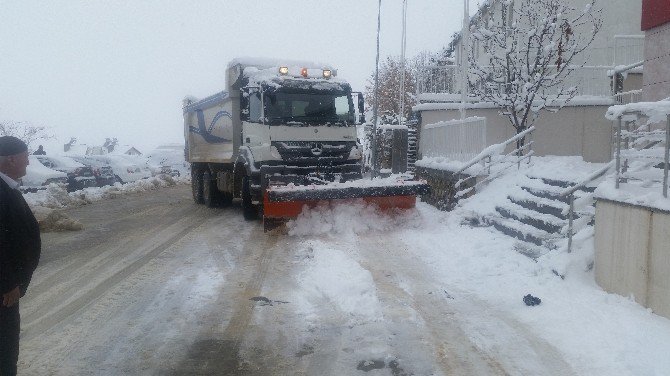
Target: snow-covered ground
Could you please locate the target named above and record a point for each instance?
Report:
(347, 291)
(596, 333)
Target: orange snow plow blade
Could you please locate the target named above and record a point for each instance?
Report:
(283, 203)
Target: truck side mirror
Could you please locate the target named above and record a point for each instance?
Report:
(244, 104)
(361, 109)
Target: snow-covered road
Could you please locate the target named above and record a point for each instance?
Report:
(157, 285)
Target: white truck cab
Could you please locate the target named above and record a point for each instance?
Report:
(278, 122)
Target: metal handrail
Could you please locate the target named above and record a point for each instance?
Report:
(486, 153)
(571, 192)
(485, 158)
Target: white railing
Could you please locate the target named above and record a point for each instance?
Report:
(627, 97)
(589, 80)
(438, 79)
(628, 49)
(459, 140)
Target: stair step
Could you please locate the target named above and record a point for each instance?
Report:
(563, 184)
(544, 222)
(539, 204)
(519, 230)
(551, 194)
(531, 250)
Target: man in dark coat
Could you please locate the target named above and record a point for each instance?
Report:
(20, 248)
(40, 151)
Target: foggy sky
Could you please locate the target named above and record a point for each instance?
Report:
(96, 69)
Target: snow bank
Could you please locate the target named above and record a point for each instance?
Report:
(54, 220)
(43, 203)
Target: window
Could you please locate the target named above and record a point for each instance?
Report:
(342, 106)
(309, 107)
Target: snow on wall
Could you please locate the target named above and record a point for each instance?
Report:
(656, 111)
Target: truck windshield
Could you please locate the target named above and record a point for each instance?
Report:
(309, 108)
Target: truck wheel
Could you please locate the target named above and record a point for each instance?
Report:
(209, 191)
(249, 210)
(196, 186)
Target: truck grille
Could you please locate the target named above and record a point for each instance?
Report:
(314, 153)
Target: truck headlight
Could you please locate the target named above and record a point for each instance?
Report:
(355, 153)
(283, 71)
(327, 73)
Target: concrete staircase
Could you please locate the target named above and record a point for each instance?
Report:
(536, 215)
(412, 144)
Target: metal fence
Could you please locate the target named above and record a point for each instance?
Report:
(459, 140)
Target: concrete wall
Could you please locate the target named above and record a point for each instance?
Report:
(574, 130)
(657, 63)
(632, 253)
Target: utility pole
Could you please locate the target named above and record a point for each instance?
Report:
(375, 108)
(403, 48)
(465, 45)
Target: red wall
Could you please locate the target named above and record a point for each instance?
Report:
(655, 13)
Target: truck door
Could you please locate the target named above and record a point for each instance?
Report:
(255, 131)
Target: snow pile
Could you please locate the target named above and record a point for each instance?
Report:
(43, 203)
(54, 220)
(56, 197)
(349, 217)
(334, 277)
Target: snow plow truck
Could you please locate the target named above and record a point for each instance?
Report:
(281, 136)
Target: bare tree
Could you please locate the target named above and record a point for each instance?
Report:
(389, 90)
(523, 53)
(25, 131)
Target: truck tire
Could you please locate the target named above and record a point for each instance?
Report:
(210, 196)
(249, 210)
(196, 186)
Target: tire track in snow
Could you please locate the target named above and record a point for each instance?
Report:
(45, 318)
(217, 350)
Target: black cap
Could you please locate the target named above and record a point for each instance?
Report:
(10, 145)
